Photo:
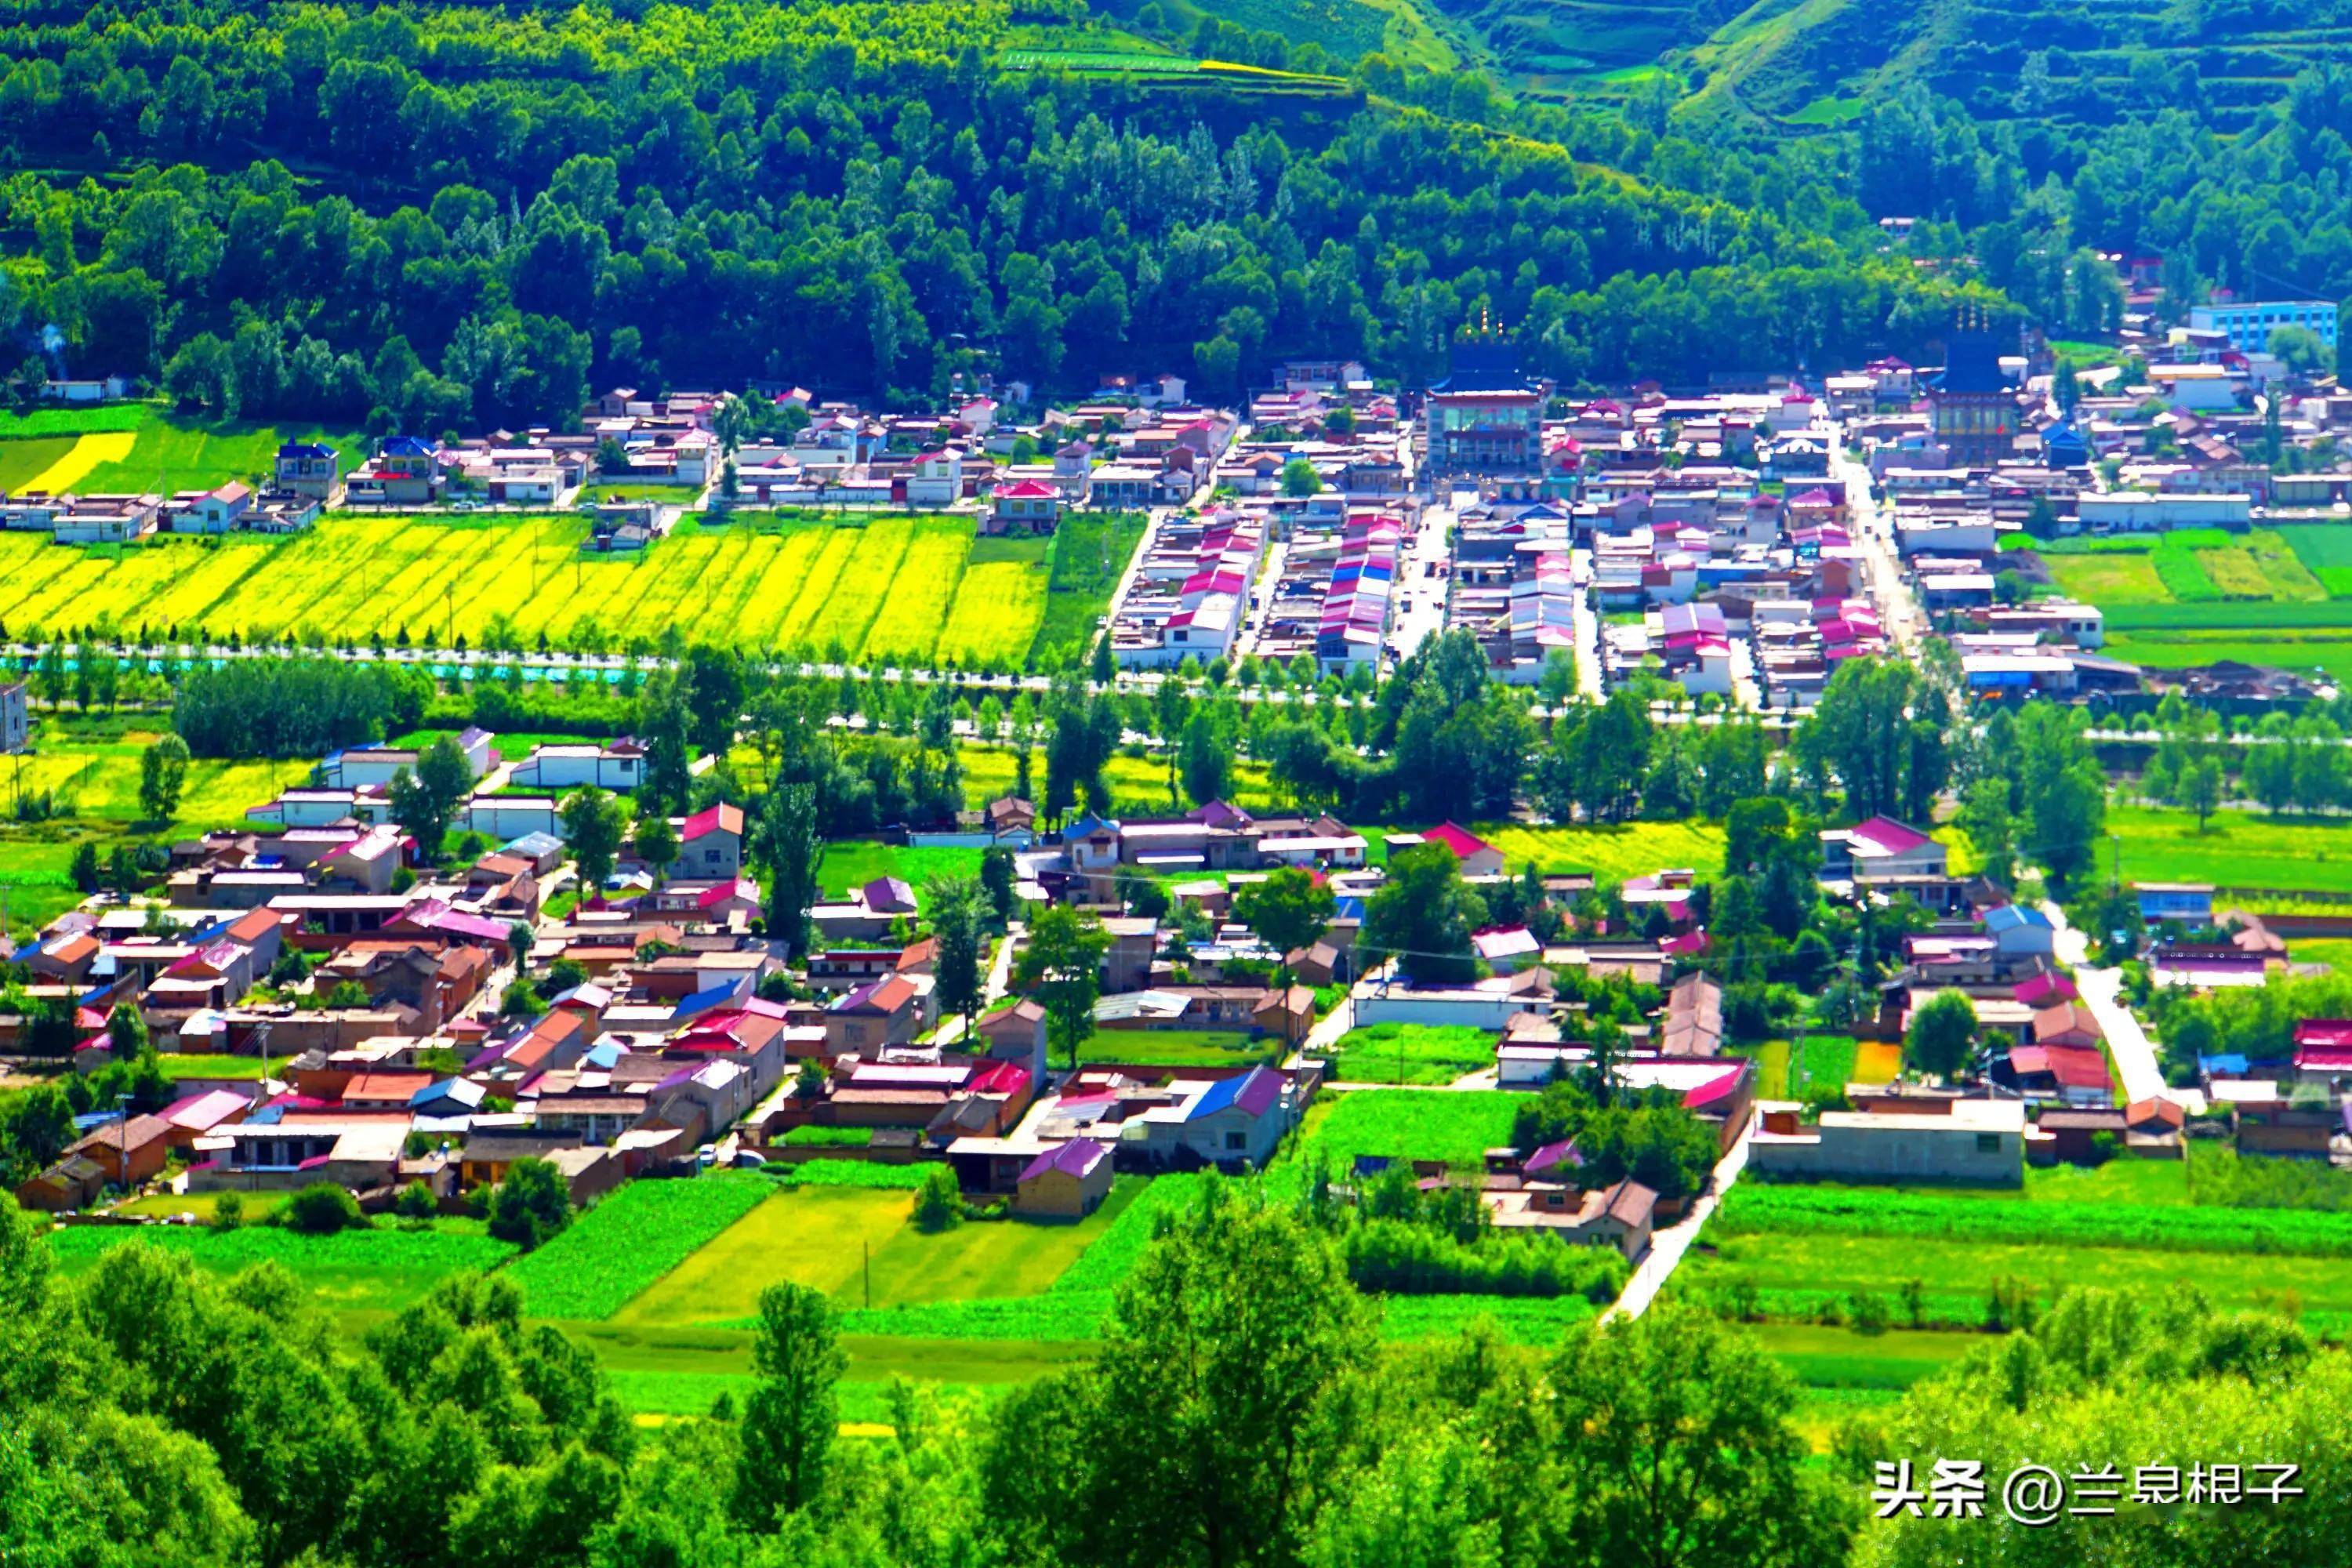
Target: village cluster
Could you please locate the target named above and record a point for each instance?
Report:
(1740, 542)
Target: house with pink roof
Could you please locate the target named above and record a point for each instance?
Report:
(1879, 850)
(1067, 1182)
(710, 843)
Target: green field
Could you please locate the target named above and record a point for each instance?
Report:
(632, 1239)
(1180, 1048)
(92, 767)
(900, 590)
(1611, 853)
(2237, 849)
(851, 863)
(359, 1275)
(193, 1065)
(2279, 596)
(1410, 1054)
(1402, 1124)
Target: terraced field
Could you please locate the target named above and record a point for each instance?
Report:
(899, 590)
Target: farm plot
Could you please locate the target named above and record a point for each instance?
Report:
(1611, 853)
(2236, 849)
(2279, 596)
(631, 1240)
(1402, 1124)
(889, 589)
(857, 1244)
(1804, 1252)
(1412, 1053)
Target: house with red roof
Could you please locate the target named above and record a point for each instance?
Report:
(2322, 1050)
(1478, 858)
(2071, 1075)
(1067, 1182)
(710, 843)
(1028, 507)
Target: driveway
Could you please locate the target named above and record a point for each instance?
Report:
(2136, 1058)
(1668, 1246)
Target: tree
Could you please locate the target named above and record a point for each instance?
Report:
(87, 876)
(1289, 910)
(1672, 1448)
(1423, 915)
(520, 940)
(956, 909)
(1063, 965)
(938, 1202)
(162, 774)
(1206, 756)
(425, 801)
(323, 1209)
(1000, 879)
(657, 843)
(2200, 789)
(1224, 1398)
(1942, 1033)
(1299, 478)
(593, 820)
(531, 1206)
(789, 1422)
(126, 1032)
(789, 844)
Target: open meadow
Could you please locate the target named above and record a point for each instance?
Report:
(889, 589)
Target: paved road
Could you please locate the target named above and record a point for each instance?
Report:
(1898, 607)
(2128, 1042)
(1586, 624)
(1667, 1246)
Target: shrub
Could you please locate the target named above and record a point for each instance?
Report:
(531, 1206)
(939, 1203)
(416, 1201)
(323, 1209)
(829, 1138)
(229, 1211)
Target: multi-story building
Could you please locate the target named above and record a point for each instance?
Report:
(2251, 324)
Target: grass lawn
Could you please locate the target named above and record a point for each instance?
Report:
(2237, 849)
(1412, 1053)
(510, 748)
(194, 1065)
(851, 863)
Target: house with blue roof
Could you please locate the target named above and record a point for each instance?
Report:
(310, 469)
(2019, 930)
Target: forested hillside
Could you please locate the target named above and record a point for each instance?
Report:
(444, 214)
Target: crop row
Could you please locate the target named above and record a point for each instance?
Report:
(630, 1240)
(1818, 1210)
